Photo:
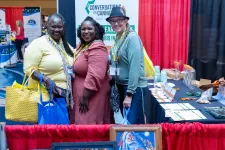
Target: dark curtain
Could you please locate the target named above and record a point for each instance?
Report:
(207, 38)
(67, 9)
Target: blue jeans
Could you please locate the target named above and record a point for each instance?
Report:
(136, 114)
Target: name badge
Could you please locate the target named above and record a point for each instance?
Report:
(114, 71)
(70, 72)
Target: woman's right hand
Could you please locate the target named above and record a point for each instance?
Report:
(48, 85)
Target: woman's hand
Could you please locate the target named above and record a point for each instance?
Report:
(127, 101)
(83, 106)
(48, 83)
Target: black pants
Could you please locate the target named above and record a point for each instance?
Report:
(19, 44)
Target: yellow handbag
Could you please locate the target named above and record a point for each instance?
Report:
(149, 68)
(22, 101)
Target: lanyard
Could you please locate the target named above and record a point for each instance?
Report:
(60, 47)
(115, 48)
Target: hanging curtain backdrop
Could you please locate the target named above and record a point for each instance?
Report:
(12, 14)
(207, 38)
(164, 30)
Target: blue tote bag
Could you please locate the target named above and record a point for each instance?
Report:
(53, 111)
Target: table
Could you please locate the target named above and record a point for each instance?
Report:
(156, 114)
(188, 136)
(5, 58)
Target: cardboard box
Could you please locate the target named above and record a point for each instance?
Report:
(172, 74)
(201, 82)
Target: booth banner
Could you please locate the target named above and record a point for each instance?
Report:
(8, 55)
(2, 16)
(32, 22)
(100, 10)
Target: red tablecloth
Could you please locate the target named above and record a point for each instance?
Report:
(188, 136)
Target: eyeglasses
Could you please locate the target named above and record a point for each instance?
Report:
(113, 22)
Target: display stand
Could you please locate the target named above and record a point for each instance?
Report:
(10, 65)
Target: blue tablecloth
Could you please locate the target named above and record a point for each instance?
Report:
(156, 114)
(5, 58)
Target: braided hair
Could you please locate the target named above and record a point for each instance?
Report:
(65, 43)
(99, 29)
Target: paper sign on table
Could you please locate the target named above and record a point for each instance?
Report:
(173, 106)
(163, 100)
(189, 106)
(178, 115)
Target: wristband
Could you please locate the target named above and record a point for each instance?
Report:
(129, 94)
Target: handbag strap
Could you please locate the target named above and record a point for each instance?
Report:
(41, 77)
(28, 77)
(50, 91)
(126, 112)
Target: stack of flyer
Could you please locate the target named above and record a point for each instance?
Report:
(159, 95)
(163, 92)
(182, 111)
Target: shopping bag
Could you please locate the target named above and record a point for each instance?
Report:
(149, 67)
(53, 111)
(118, 117)
(125, 115)
(21, 101)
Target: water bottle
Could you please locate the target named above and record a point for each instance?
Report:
(157, 69)
(163, 76)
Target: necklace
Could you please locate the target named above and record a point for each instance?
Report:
(81, 49)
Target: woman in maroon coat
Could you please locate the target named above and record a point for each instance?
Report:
(91, 85)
